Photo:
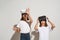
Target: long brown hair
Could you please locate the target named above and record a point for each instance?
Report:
(24, 14)
(45, 24)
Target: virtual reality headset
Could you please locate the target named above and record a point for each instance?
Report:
(42, 18)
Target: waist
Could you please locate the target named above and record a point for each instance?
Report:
(25, 33)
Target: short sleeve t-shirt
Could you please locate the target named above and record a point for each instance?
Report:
(24, 26)
(44, 33)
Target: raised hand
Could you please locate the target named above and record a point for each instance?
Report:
(52, 24)
(28, 11)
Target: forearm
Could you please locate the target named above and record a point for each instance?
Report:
(36, 26)
(30, 18)
(16, 29)
(51, 22)
(52, 25)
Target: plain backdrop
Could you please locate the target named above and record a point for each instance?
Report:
(10, 15)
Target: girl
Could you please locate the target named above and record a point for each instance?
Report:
(43, 28)
(24, 25)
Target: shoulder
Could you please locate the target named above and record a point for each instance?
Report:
(20, 22)
(49, 26)
(39, 28)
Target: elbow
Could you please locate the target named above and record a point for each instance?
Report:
(53, 27)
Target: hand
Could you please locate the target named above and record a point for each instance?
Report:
(28, 11)
(14, 28)
(47, 18)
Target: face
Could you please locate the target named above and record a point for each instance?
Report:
(25, 17)
(43, 23)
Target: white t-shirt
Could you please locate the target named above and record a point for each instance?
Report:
(24, 26)
(44, 33)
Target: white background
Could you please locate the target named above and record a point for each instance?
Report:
(10, 15)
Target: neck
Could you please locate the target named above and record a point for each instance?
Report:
(43, 25)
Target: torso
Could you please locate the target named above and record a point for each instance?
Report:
(43, 33)
(24, 26)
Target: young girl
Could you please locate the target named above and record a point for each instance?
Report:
(43, 28)
(24, 25)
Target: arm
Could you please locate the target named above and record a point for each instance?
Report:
(52, 25)
(29, 16)
(16, 29)
(36, 26)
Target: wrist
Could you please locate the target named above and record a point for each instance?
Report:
(48, 20)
